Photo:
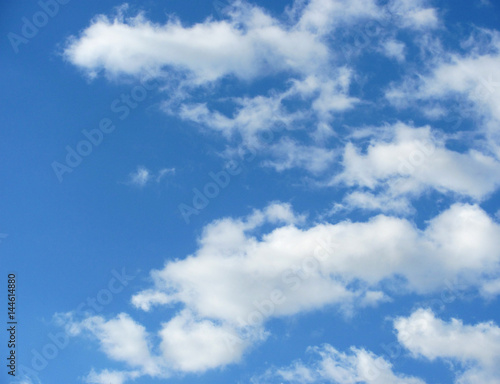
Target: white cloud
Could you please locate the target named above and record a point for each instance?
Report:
(163, 173)
(373, 202)
(241, 276)
(355, 366)
(252, 117)
(121, 339)
(244, 45)
(187, 344)
(322, 16)
(110, 377)
(263, 123)
(491, 288)
(374, 298)
(414, 14)
(260, 120)
(410, 160)
(290, 154)
(270, 264)
(475, 347)
(150, 297)
(434, 112)
(473, 77)
(249, 43)
(394, 49)
(143, 176)
(229, 256)
(140, 177)
(195, 345)
(332, 93)
(282, 213)
(237, 281)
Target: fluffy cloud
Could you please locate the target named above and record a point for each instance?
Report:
(355, 366)
(402, 160)
(394, 49)
(241, 276)
(475, 347)
(322, 16)
(121, 339)
(271, 264)
(237, 281)
(187, 344)
(460, 243)
(192, 345)
(246, 44)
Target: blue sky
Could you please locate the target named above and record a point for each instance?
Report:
(252, 192)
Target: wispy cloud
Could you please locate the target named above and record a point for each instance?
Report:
(143, 176)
